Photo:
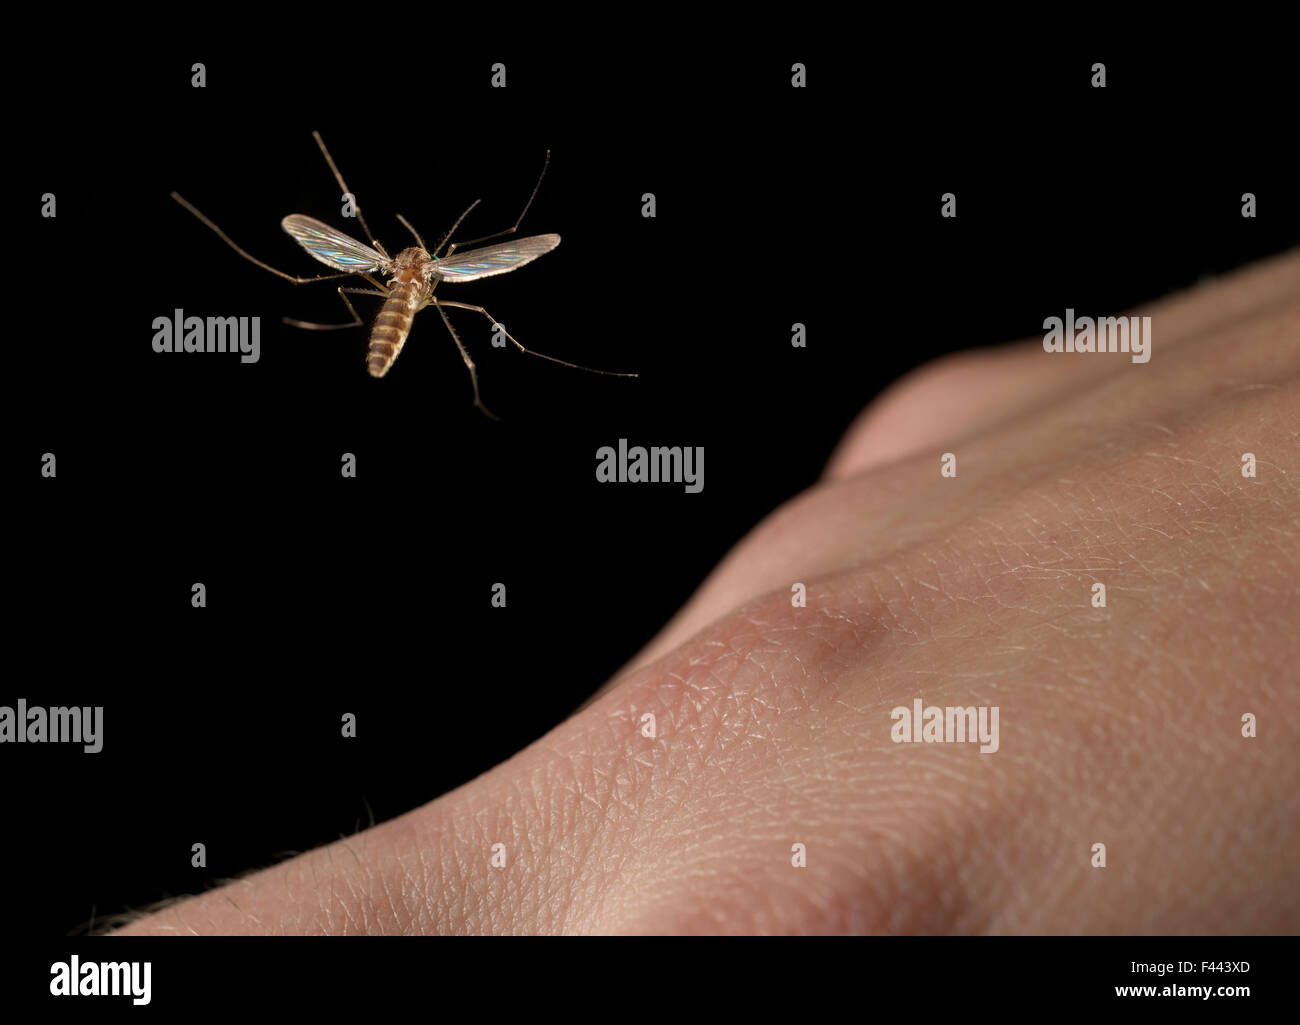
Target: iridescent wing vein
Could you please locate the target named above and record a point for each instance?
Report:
(330, 247)
(498, 259)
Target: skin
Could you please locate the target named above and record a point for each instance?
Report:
(1119, 725)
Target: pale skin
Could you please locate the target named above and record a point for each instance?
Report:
(1120, 725)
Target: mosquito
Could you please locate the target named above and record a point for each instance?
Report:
(412, 275)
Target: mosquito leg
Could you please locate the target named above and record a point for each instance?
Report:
(344, 186)
(356, 321)
(532, 352)
(443, 241)
(473, 373)
(253, 259)
(508, 231)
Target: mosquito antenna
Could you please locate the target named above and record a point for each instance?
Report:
(344, 186)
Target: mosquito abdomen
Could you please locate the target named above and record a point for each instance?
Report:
(391, 328)
(412, 281)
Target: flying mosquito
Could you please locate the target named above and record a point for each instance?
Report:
(412, 275)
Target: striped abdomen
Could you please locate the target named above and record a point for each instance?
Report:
(392, 326)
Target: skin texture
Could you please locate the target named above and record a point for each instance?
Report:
(1118, 725)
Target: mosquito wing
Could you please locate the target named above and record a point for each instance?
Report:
(330, 247)
(499, 259)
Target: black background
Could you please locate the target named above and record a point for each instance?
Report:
(371, 595)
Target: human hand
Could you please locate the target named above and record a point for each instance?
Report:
(1119, 725)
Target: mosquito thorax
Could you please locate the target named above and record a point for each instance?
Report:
(413, 266)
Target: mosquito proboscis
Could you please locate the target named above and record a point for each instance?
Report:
(412, 275)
